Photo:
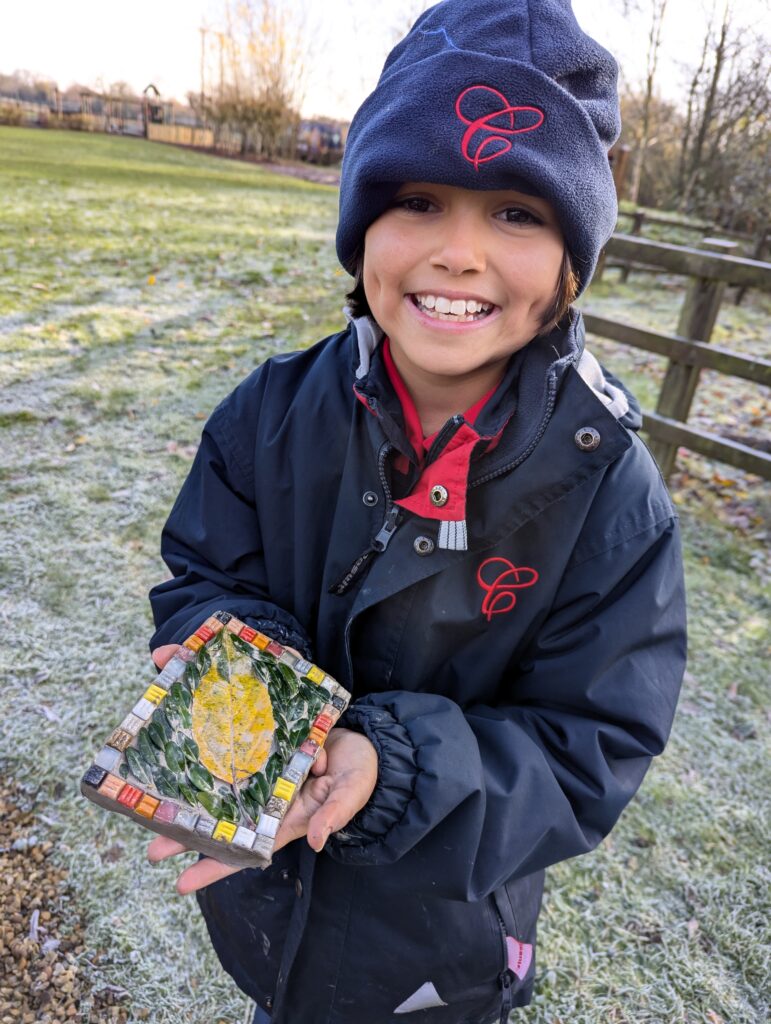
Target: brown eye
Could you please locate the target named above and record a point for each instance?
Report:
(416, 204)
(518, 215)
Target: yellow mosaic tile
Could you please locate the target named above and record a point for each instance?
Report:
(315, 674)
(155, 694)
(225, 831)
(284, 789)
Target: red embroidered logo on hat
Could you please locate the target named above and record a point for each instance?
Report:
(495, 124)
(500, 589)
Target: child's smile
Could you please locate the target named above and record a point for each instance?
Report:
(461, 279)
(453, 309)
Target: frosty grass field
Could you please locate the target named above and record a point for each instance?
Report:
(138, 285)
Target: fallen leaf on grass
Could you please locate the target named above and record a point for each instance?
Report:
(693, 927)
(744, 731)
(151, 279)
(714, 1018)
(40, 287)
(685, 707)
(186, 451)
(113, 854)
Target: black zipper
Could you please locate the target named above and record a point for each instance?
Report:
(505, 975)
(449, 430)
(382, 538)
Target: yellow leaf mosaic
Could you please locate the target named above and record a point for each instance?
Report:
(220, 743)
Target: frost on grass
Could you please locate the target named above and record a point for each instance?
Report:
(105, 383)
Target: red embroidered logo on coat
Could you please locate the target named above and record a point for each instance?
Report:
(500, 580)
(495, 124)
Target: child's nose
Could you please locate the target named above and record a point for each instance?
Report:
(459, 246)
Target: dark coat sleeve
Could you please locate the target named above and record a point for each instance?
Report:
(212, 545)
(468, 800)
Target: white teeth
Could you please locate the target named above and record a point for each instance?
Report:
(447, 309)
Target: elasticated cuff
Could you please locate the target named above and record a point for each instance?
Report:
(283, 634)
(285, 630)
(397, 773)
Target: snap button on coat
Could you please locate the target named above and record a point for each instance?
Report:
(587, 439)
(370, 498)
(439, 495)
(423, 545)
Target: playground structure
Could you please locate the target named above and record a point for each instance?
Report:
(319, 140)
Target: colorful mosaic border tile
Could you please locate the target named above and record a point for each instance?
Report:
(167, 766)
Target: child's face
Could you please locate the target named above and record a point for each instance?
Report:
(438, 245)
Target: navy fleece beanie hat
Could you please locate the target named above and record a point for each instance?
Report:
(490, 94)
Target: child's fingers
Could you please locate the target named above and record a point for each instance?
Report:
(162, 847)
(165, 653)
(319, 766)
(201, 874)
(334, 814)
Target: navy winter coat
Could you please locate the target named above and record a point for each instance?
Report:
(512, 725)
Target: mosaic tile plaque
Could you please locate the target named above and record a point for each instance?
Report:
(215, 750)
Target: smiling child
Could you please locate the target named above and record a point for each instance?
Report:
(446, 506)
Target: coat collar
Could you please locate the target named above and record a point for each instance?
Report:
(555, 469)
(506, 431)
(522, 403)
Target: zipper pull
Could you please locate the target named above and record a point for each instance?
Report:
(379, 543)
(387, 530)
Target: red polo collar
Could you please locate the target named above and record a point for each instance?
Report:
(450, 468)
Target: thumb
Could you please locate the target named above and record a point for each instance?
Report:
(335, 813)
(163, 654)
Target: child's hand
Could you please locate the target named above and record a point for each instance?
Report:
(341, 782)
(163, 654)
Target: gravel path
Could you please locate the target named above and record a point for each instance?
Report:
(43, 958)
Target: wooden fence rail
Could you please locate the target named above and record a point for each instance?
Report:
(688, 349)
(681, 259)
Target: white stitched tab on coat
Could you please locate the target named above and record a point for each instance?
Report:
(423, 999)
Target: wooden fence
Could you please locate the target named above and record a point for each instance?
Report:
(688, 349)
(755, 246)
(181, 135)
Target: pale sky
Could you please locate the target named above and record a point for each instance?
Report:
(141, 41)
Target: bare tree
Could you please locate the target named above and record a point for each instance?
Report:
(259, 58)
(693, 91)
(658, 9)
(718, 57)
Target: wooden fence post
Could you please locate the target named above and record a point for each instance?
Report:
(697, 320)
(758, 253)
(637, 227)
